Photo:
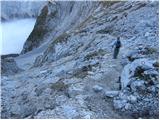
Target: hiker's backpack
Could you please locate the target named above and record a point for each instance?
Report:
(118, 44)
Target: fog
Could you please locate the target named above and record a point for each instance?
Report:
(14, 34)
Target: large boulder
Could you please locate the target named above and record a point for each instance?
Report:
(9, 66)
(141, 52)
(139, 96)
(136, 69)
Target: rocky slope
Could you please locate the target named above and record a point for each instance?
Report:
(68, 67)
(20, 9)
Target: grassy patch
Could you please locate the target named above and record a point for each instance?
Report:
(83, 24)
(151, 50)
(62, 38)
(92, 55)
(156, 64)
(59, 86)
(104, 31)
(82, 72)
(108, 3)
(139, 73)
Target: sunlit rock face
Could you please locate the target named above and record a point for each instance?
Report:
(20, 9)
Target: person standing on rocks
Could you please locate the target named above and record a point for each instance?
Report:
(117, 44)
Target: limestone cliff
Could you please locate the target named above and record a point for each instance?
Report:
(20, 9)
(69, 71)
(57, 18)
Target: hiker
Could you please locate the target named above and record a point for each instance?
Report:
(117, 45)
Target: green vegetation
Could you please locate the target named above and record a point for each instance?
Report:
(105, 31)
(156, 64)
(60, 39)
(92, 55)
(151, 50)
(80, 26)
(38, 32)
(109, 3)
(139, 73)
(59, 86)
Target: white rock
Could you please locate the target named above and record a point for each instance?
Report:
(129, 69)
(97, 88)
(75, 90)
(127, 106)
(69, 111)
(132, 98)
(111, 93)
(118, 104)
(43, 71)
(137, 84)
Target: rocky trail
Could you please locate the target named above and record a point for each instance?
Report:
(85, 93)
(68, 71)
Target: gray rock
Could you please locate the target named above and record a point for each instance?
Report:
(132, 98)
(136, 68)
(97, 88)
(9, 66)
(119, 104)
(151, 72)
(75, 90)
(139, 95)
(72, 40)
(70, 112)
(138, 85)
(111, 93)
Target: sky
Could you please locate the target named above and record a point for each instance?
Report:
(14, 34)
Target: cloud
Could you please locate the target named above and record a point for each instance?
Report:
(14, 34)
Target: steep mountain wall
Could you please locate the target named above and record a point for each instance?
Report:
(69, 70)
(64, 22)
(20, 9)
(57, 18)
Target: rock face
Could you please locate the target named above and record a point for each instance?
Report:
(69, 70)
(9, 66)
(15, 9)
(62, 16)
(136, 69)
(139, 94)
(86, 21)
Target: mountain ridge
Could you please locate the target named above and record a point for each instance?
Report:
(69, 70)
